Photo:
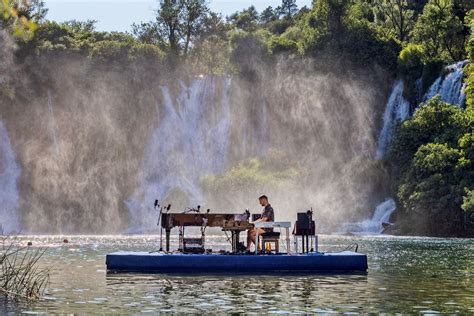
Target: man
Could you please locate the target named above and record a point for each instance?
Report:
(267, 216)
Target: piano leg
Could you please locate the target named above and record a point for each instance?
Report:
(168, 232)
(235, 236)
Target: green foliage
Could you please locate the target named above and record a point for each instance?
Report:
(267, 16)
(280, 44)
(431, 72)
(432, 164)
(21, 18)
(248, 51)
(288, 8)
(433, 187)
(469, 69)
(72, 36)
(394, 18)
(110, 52)
(270, 174)
(410, 65)
(440, 31)
(250, 173)
(468, 202)
(245, 20)
(434, 121)
(411, 58)
(177, 24)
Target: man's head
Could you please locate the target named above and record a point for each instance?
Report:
(263, 200)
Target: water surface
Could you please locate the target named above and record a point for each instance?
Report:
(406, 275)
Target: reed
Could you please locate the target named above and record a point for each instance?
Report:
(21, 276)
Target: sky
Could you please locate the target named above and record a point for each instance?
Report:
(119, 15)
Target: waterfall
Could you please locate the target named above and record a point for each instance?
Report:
(9, 195)
(449, 86)
(374, 225)
(191, 141)
(52, 123)
(397, 109)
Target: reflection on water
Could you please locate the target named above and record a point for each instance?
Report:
(410, 275)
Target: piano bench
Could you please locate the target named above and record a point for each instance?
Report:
(271, 237)
(271, 234)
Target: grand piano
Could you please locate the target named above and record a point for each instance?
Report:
(233, 223)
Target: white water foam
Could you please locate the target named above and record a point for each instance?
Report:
(374, 225)
(396, 110)
(9, 174)
(449, 86)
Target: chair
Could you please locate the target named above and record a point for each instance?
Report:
(271, 237)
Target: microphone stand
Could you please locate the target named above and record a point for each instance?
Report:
(158, 224)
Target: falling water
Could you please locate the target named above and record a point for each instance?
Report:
(449, 86)
(191, 141)
(396, 110)
(374, 225)
(9, 174)
(53, 124)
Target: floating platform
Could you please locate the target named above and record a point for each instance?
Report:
(156, 262)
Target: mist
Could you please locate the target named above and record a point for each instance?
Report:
(97, 144)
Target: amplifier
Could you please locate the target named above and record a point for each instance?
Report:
(305, 225)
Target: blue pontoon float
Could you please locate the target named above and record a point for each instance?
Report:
(193, 257)
(156, 262)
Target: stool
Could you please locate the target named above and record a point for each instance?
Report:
(271, 237)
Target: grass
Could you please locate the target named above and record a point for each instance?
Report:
(21, 277)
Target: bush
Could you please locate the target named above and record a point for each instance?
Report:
(410, 65)
(147, 53)
(411, 58)
(432, 164)
(280, 44)
(110, 52)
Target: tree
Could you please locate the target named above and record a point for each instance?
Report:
(21, 17)
(177, 24)
(148, 33)
(329, 15)
(267, 16)
(168, 22)
(432, 165)
(469, 69)
(395, 16)
(433, 188)
(288, 8)
(245, 20)
(440, 31)
(194, 13)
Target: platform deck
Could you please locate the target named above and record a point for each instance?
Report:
(340, 262)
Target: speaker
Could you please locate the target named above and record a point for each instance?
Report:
(304, 219)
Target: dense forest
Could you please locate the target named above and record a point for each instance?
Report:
(430, 163)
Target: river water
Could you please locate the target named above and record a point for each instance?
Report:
(406, 275)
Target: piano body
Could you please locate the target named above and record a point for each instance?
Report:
(235, 223)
